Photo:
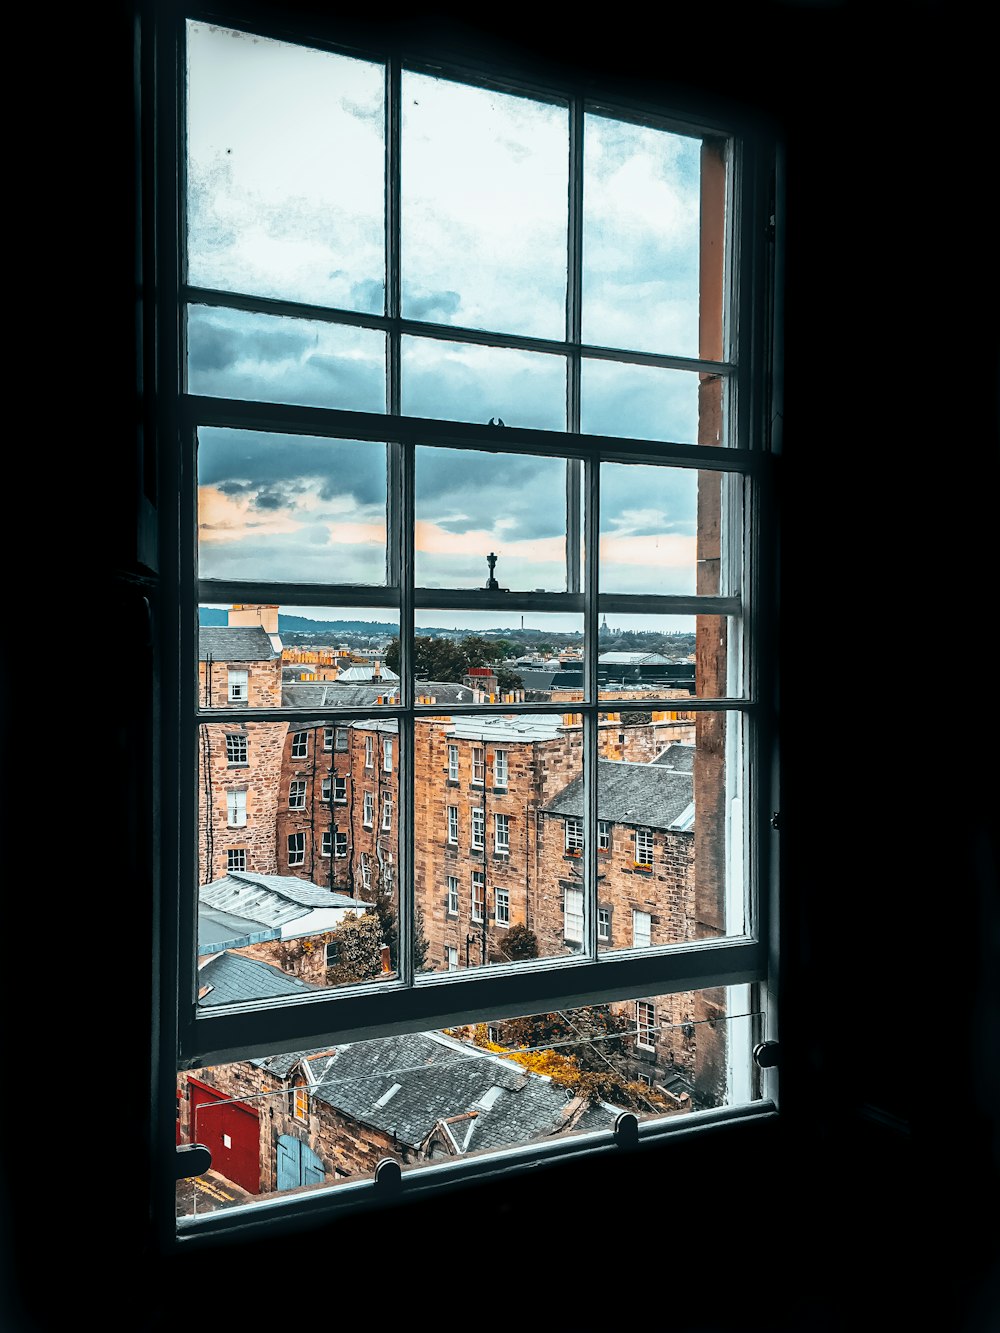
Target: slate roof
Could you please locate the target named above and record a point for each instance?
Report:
(644, 794)
(527, 727)
(678, 756)
(234, 978)
(239, 644)
(404, 1085)
(218, 930)
(269, 900)
(362, 673)
(333, 694)
(633, 659)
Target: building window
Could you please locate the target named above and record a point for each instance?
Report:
(326, 840)
(604, 924)
(645, 1024)
(574, 834)
(238, 687)
(368, 811)
(573, 915)
(339, 789)
(643, 847)
(236, 859)
(300, 1103)
(297, 794)
(236, 807)
(501, 843)
(300, 745)
(387, 754)
(328, 738)
(478, 828)
(451, 957)
(603, 836)
(387, 811)
(332, 953)
(452, 763)
(500, 768)
(478, 894)
(453, 895)
(327, 790)
(629, 392)
(339, 844)
(502, 897)
(641, 924)
(236, 747)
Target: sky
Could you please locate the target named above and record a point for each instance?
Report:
(285, 199)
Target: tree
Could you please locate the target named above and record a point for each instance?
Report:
(508, 680)
(519, 942)
(359, 949)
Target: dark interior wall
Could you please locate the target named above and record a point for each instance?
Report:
(857, 1211)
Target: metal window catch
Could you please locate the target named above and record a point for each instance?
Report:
(191, 1159)
(388, 1175)
(766, 1054)
(627, 1130)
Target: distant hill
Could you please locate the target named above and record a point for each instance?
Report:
(210, 616)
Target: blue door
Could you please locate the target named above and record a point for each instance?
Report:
(298, 1164)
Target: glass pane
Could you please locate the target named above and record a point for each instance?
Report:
(320, 1118)
(472, 506)
(466, 382)
(484, 200)
(649, 402)
(649, 529)
(291, 508)
(298, 856)
(489, 887)
(267, 656)
(667, 657)
(670, 850)
(497, 657)
(641, 238)
(285, 162)
(273, 359)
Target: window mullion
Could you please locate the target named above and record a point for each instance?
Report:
(574, 283)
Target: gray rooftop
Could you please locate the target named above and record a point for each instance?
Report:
(234, 978)
(643, 794)
(218, 930)
(527, 727)
(269, 900)
(334, 694)
(363, 673)
(633, 659)
(677, 755)
(239, 644)
(405, 1085)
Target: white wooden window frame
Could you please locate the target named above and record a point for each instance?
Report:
(296, 849)
(478, 839)
(502, 906)
(453, 895)
(237, 685)
(478, 895)
(642, 928)
(236, 748)
(297, 794)
(236, 807)
(500, 769)
(478, 766)
(368, 809)
(501, 834)
(236, 859)
(453, 825)
(452, 763)
(300, 745)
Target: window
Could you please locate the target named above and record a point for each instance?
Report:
(643, 847)
(236, 858)
(236, 807)
(387, 811)
(326, 841)
(641, 923)
(328, 738)
(453, 895)
(573, 915)
(645, 1024)
(300, 745)
(326, 788)
(300, 1102)
(501, 844)
(451, 957)
(332, 953)
(326, 462)
(574, 835)
(236, 747)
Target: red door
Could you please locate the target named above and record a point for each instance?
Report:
(231, 1133)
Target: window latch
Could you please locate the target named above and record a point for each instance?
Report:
(191, 1159)
(766, 1054)
(626, 1130)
